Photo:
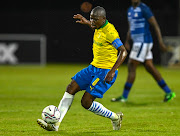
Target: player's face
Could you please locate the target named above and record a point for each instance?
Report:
(96, 21)
(135, 2)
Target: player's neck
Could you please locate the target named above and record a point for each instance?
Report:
(104, 24)
(135, 4)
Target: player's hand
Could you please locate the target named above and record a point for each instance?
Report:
(81, 19)
(163, 47)
(109, 76)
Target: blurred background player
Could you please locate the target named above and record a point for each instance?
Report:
(139, 17)
(98, 77)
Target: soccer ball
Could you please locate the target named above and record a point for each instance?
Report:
(51, 114)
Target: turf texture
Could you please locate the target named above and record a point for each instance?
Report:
(26, 90)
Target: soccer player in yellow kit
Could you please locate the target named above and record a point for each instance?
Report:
(100, 75)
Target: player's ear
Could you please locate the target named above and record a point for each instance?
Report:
(104, 19)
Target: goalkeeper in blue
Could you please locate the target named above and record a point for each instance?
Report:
(139, 18)
(109, 53)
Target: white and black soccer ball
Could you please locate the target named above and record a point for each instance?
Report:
(51, 114)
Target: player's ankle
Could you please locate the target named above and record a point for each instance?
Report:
(114, 117)
(57, 125)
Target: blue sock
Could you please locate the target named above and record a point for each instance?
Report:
(127, 88)
(164, 86)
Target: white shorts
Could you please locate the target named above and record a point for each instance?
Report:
(141, 51)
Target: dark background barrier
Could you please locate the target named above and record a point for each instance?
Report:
(71, 42)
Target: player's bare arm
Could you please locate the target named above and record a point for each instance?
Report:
(155, 25)
(128, 37)
(82, 20)
(121, 57)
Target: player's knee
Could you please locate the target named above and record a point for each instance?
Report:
(85, 103)
(148, 67)
(131, 67)
(69, 89)
(73, 88)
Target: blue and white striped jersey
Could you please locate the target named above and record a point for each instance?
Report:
(139, 25)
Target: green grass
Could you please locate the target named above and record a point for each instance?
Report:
(26, 90)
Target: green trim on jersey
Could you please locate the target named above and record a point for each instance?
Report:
(104, 24)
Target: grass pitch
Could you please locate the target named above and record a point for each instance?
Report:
(26, 90)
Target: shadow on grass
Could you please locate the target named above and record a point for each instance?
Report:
(150, 130)
(109, 132)
(90, 133)
(139, 104)
(85, 133)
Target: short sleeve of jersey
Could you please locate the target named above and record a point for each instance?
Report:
(147, 13)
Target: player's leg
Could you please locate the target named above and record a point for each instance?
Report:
(132, 65)
(79, 82)
(152, 70)
(67, 99)
(63, 107)
(137, 55)
(96, 90)
(157, 76)
(88, 102)
(97, 108)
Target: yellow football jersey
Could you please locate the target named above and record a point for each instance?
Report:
(105, 54)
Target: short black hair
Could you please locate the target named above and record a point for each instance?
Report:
(99, 11)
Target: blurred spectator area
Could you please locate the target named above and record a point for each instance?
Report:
(71, 42)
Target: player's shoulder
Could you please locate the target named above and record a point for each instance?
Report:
(143, 6)
(129, 9)
(111, 31)
(110, 27)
